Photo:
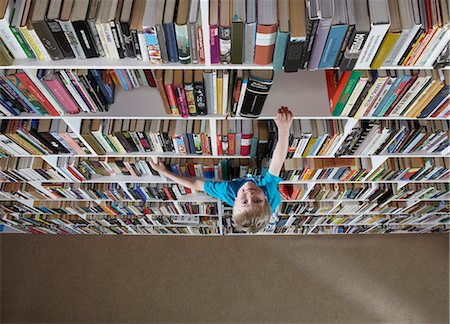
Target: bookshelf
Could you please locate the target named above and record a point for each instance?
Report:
(379, 191)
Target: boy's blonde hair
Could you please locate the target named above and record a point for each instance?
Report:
(252, 221)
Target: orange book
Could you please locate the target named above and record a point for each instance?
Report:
(265, 44)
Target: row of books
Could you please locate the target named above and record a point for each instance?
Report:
(393, 137)
(128, 136)
(114, 209)
(96, 191)
(345, 34)
(381, 93)
(234, 92)
(381, 193)
(296, 220)
(73, 224)
(258, 138)
(62, 92)
(157, 31)
(358, 208)
(362, 229)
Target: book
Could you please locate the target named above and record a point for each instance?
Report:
(259, 84)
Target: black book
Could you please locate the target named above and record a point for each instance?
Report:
(344, 44)
(86, 40)
(258, 87)
(199, 93)
(354, 47)
(115, 33)
(311, 29)
(294, 54)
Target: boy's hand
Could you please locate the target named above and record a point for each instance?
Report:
(284, 119)
(158, 166)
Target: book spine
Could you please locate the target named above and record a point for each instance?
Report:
(265, 44)
(319, 43)
(200, 45)
(193, 41)
(72, 39)
(214, 43)
(10, 41)
(171, 42)
(181, 100)
(152, 45)
(33, 45)
(20, 39)
(86, 38)
(200, 98)
(115, 36)
(225, 44)
(280, 50)
(128, 41)
(182, 38)
(249, 42)
(37, 93)
(190, 99)
(353, 50)
(62, 96)
(172, 99)
(294, 54)
(311, 29)
(332, 46)
(374, 39)
(109, 41)
(60, 38)
(344, 45)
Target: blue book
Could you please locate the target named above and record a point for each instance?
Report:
(391, 91)
(332, 46)
(171, 41)
(106, 89)
(8, 105)
(279, 53)
(431, 107)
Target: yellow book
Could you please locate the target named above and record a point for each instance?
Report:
(428, 99)
(385, 48)
(219, 91)
(311, 142)
(32, 43)
(413, 48)
(424, 95)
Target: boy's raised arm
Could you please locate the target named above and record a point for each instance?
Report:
(283, 122)
(191, 183)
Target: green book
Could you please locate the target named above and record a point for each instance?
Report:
(28, 52)
(346, 93)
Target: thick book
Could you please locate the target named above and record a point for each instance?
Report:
(59, 35)
(249, 42)
(159, 80)
(295, 47)
(225, 32)
(346, 93)
(258, 87)
(82, 29)
(214, 31)
(58, 90)
(181, 31)
(199, 93)
(237, 31)
(265, 43)
(169, 30)
(319, 42)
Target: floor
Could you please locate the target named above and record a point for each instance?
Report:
(323, 279)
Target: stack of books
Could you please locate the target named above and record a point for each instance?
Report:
(424, 94)
(219, 92)
(18, 169)
(157, 31)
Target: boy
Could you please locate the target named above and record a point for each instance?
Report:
(254, 199)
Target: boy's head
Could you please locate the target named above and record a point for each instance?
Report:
(251, 210)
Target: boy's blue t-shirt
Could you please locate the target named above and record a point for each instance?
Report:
(227, 190)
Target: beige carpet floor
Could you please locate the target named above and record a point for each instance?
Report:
(327, 279)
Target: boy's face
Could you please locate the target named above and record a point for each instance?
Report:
(249, 197)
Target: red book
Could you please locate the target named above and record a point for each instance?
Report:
(265, 43)
(150, 79)
(180, 94)
(441, 108)
(341, 85)
(200, 45)
(246, 138)
(60, 93)
(167, 192)
(36, 93)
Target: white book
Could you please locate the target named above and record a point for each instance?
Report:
(102, 36)
(379, 141)
(408, 37)
(7, 35)
(214, 88)
(381, 96)
(72, 38)
(413, 143)
(242, 94)
(374, 91)
(368, 140)
(370, 48)
(69, 86)
(11, 147)
(435, 47)
(143, 47)
(354, 96)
